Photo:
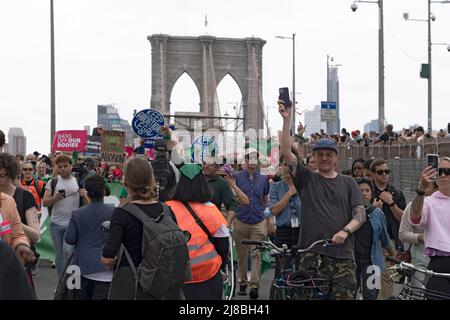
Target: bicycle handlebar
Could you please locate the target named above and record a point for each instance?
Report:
(269, 244)
(409, 266)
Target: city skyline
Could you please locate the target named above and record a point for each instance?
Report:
(103, 56)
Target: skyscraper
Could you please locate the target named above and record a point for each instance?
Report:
(109, 118)
(313, 123)
(17, 142)
(333, 96)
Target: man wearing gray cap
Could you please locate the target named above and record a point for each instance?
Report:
(331, 206)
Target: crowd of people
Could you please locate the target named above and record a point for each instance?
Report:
(388, 136)
(168, 237)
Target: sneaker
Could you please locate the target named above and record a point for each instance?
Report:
(34, 271)
(254, 293)
(242, 290)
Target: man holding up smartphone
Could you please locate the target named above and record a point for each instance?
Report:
(331, 207)
(64, 197)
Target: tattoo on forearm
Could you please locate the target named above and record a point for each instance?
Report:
(417, 205)
(359, 214)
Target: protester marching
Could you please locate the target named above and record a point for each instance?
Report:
(162, 220)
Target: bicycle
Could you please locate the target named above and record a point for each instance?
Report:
(410, 292)
(292, 284)
(229, 275)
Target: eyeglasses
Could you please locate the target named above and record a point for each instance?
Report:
(27, 169)
(386, 172)
(445, 171)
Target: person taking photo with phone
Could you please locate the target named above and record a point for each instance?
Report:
(432, 213)
(62, 195)
(331, 207)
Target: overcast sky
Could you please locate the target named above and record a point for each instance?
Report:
(103, 56)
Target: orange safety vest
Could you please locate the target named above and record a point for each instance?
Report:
(32, 188)
(205, 262)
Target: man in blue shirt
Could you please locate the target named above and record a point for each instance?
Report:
(284, 204)
(250, 222)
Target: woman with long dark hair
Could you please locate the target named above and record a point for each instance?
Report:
(208, 246)
(369, 240)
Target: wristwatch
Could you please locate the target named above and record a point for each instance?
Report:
(346, 230)
(392, 204)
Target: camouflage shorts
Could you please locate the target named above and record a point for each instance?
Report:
(341, 274)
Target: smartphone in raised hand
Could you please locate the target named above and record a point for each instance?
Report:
(284, 96)
(433, 161)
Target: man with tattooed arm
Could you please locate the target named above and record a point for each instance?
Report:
(332, 207)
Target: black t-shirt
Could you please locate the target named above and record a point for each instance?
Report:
(127, 229)
(326, 208)
(13, 282)
(393, 225)
(364, 240)
(24, 201)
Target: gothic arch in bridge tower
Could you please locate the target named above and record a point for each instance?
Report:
(207, 60)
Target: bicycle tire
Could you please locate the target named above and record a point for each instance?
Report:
(277, 293)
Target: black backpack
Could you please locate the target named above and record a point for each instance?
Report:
(165, 256)
(164, 173)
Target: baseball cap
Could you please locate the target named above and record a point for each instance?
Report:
(250, 150)
(160, 145)
(325, 144)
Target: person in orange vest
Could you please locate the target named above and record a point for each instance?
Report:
(208, 246)
(33, 185)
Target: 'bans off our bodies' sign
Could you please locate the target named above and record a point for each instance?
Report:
(69, 140)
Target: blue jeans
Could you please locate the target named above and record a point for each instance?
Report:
(92, 290)
(62, 249)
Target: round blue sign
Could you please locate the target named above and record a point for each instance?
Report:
(203, 146)
(147, 123)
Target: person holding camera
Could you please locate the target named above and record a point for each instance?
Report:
(222, 192)
(432, 213)
(62, 196)
(331, 207)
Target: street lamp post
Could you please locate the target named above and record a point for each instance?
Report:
(293, 79)
(430, 18)
(381, 118)
(52, 75)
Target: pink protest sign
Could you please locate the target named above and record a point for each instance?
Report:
(69, 140)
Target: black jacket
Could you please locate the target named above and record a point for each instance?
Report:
(13, 282)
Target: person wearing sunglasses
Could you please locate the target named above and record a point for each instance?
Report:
(392, 201)
(433, 214)
(33, 185)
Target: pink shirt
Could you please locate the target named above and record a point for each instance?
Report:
(436, 222)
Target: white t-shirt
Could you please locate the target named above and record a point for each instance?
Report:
(103, 276)
(62, 209)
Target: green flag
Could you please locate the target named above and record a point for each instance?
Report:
(45, 245)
